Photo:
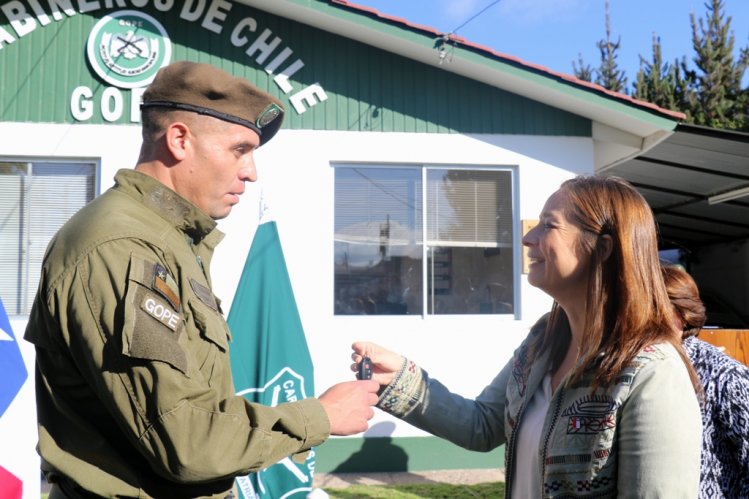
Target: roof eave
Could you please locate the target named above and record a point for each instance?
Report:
(637, 121)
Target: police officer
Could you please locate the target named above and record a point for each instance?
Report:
(133, 381)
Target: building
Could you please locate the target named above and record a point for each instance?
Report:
(409, 165)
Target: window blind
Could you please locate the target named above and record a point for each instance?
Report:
(375, 206)
(13, 179)
(469, 208)
(38, 199)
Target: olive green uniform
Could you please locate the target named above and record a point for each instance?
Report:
(134, 389)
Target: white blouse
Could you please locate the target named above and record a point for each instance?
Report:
(527, 468)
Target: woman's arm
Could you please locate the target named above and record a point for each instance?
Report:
(410, 394)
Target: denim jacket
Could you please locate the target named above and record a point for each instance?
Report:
(639, 437)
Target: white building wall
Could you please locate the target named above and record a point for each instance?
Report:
(465, 352)
(296, 176)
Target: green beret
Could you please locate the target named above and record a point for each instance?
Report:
(205, 89)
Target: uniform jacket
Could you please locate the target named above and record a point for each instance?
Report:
(134, 389)
(637, 438)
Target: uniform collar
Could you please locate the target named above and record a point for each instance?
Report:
(169, 205)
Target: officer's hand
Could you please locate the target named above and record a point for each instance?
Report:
(385, 363)
(349, 406)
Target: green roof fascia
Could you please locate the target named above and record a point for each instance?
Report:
(491, 61)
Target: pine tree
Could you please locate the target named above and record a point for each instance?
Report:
(743, 100)
(609, 75)
(711, 94)
(656, 80)
(581, 70)
(684, 81)
(714, 96)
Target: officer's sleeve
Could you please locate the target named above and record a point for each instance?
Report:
(163, 372)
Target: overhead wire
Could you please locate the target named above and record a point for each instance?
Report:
(475, 16)
(445, 38)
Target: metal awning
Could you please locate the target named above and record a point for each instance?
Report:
(683, 179)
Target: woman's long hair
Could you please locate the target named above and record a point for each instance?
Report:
(685, 298)
(627, 305)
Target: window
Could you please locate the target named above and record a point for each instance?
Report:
(416, 240)
(36, 199)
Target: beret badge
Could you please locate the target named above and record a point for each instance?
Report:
(269, 114)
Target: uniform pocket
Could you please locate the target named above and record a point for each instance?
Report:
(213, 333)
(154, 319)
(211, 326)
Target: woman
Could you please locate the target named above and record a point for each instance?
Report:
(599, 400)
(725, 409)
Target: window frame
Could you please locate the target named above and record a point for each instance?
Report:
(516, 245)
(26, 288)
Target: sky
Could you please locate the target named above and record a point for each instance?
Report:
(552, 33)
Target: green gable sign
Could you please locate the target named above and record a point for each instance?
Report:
(89, 61)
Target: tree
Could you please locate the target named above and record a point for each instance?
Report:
(714, 96)
(609, 74)
(710, 94)
(683, 81)
(583, 71)
(660, 82)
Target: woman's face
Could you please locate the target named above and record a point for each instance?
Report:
(558, 264)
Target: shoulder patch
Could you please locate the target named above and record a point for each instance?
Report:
(160, 311)
(166, 286)
(204, 294)
(152, 328)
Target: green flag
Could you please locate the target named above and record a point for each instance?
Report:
(270, 360)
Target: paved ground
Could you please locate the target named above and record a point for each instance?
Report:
(467, 477)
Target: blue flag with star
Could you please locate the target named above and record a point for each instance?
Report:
(12, 369)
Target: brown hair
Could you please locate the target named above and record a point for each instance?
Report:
(685, 298)
(627, 305)
(154, 121)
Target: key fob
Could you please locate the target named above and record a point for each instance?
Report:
(365, 368)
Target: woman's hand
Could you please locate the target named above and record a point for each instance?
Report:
(385, 364)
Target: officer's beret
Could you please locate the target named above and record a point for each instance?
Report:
(206, 89)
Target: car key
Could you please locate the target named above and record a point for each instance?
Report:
(365, 368)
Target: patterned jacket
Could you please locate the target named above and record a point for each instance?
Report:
(725, 419)
(638, 438)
